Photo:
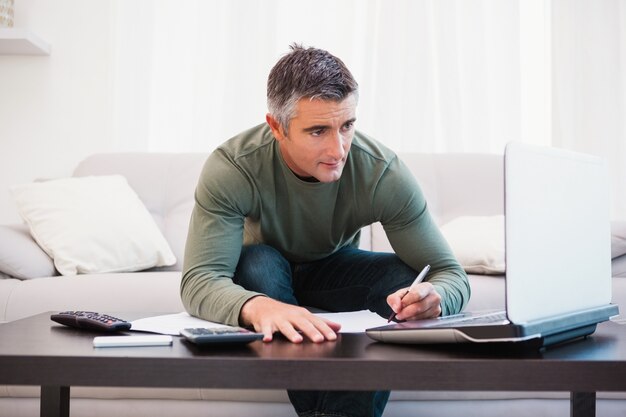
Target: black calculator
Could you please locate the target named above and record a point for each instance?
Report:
(220, 335)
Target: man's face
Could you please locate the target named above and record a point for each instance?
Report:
(319, 137)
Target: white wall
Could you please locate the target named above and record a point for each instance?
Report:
(54, 110)
(433, 76)
(589, 87)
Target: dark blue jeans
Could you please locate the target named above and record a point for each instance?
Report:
(349, 280)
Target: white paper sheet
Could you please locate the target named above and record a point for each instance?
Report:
(355, 321)
(351, 322)
(170, 324)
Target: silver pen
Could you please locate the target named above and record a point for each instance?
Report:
(418, 279)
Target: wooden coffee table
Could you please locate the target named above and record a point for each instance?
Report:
(36, 351)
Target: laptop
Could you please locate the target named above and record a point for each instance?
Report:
(558, 257)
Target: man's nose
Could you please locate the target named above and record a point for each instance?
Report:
(336, 146)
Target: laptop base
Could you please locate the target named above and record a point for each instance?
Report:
(537, 334)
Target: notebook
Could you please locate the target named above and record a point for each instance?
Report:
(558, 257)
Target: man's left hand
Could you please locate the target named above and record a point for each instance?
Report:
(424, 302)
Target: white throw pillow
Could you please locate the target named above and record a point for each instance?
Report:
(91, 225)
(477, 243)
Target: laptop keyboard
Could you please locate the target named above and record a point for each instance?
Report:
(493, 318)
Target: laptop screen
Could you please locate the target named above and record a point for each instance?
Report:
(558, 255)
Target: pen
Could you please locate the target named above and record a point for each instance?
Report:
(419, 279)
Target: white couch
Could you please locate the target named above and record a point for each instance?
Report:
(455, 185)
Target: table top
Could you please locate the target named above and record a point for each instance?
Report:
(37, 351)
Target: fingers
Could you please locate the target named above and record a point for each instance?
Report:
(395, 299)
(269, 316)
(335, 327)
(429, 307)
(268, 331)
(306, 325)
(312, 327)
(290, 332)
(421, 304)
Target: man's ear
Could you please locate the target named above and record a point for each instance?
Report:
(276, 127)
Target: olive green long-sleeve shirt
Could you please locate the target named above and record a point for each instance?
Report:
(247, 194)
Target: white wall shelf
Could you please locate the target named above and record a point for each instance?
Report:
(17, 41)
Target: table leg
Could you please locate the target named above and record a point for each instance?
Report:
(55, 401)
(583, 404)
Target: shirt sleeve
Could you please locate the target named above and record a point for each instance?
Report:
(401, 208)
(214, 243)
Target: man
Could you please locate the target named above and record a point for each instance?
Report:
(277, 223)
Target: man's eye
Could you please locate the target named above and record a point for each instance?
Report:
(348, 126)
(318, 132)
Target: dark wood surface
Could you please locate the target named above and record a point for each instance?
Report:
(37, 351)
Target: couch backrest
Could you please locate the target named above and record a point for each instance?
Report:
(454, 184)
(459, 184)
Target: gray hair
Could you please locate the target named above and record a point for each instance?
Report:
(306, 73)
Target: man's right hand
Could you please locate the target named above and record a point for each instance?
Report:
(268, 316)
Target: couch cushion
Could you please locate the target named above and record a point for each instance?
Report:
(147, 293)
(92, 225)
(21, 257)
(7, 286)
